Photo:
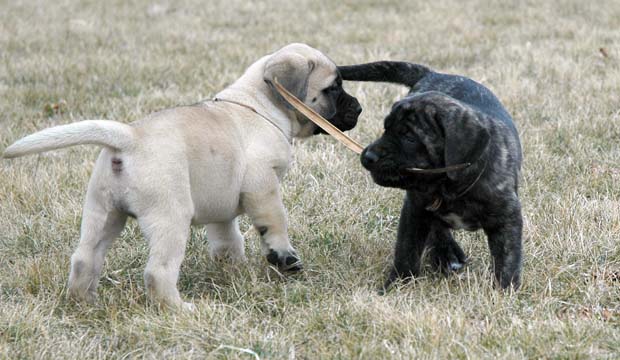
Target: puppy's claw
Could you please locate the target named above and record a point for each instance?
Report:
(456, 266)
(189, 307)
(448, 258)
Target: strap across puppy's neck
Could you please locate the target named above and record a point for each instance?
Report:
(484, 167)
(289, 138)
(438, 201)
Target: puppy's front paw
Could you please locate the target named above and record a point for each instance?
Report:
(448, 258)
(287, 261)
(509, 279)
(81, 296)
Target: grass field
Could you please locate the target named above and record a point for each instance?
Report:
(554, 64)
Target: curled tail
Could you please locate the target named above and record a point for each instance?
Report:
(112, 134)
(398, 72)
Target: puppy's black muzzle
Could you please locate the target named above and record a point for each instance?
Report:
(369, 158)
(348, 109)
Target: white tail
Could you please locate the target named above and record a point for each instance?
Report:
(99, 132)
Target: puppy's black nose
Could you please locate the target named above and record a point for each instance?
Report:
(369, 158)
(358, 109)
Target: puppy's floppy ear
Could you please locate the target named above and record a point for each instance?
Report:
(466, 137)
(292, 71)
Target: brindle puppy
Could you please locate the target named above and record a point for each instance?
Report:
(466, 153)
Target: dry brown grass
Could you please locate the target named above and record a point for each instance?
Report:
(63, 61)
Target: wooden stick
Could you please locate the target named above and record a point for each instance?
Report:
(318, 119)
(439, 170)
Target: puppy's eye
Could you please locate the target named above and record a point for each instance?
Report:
(403, 132)
(408, 137)
(409, 140)
(332, 88)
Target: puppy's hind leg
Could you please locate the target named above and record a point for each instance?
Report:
(505, 244)
(100, 226)
(225, 240)
(269, 217)
(166, 232)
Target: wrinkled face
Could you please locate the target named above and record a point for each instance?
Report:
(429, 131)
(314, 79)
(340, 109)
(409, 141)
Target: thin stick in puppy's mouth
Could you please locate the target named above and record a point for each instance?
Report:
(437, 170)
(318, 119)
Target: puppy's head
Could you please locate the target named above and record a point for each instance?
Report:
(314, 79)
(425, 131)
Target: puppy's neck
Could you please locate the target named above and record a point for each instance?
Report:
(466, 181)
(250, 89)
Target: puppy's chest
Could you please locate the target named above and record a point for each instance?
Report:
(457, 218)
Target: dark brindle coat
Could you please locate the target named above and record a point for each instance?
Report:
(447, 120)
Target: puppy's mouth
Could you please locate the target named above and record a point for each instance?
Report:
(392, 178)
(402, 179)
(348, 121)
(342, 122)
(348, 110)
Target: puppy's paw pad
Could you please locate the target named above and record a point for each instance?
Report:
(292, 264)
(289, 262)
